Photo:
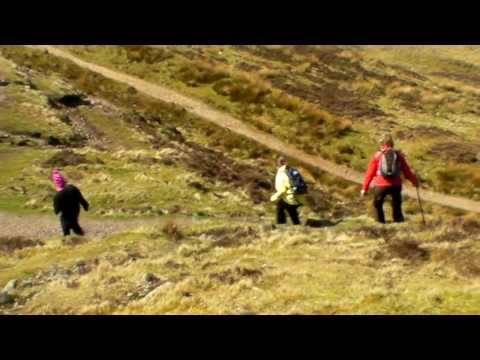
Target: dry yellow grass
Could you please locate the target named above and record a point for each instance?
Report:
(355, 267)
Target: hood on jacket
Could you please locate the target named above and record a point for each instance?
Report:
(58, 180)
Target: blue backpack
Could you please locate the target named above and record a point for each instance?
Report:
(299, 185)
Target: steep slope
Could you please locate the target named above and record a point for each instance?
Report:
(272, 142)
(181, 221)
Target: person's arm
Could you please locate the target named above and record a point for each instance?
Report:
(370, 174)
(82, 200)
(56, 204)
(407, 171)
(281, 185)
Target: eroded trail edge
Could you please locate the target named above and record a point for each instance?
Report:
(237, 126)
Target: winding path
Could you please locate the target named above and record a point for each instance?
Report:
(237, 126)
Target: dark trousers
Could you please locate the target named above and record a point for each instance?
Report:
(380, 194)
(292, 211)
(70, 223)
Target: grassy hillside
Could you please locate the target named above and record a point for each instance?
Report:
(333, 100)
(355, 267)
(202, 240)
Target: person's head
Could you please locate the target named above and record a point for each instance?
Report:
(58, 179)
(386, 139)
(282, 161)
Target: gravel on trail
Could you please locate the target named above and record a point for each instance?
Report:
(44, 226)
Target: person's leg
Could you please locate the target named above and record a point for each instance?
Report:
(76, 227)
(293, 212)
(65, 226)
(397, 204)
(281, 217)
(380, 193)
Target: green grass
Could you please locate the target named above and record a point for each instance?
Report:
(120, 188)
(203, 79)
(227, 261)
(7, 71)
(17, 120)
(238, 92)
(20, 169)
(120, 134)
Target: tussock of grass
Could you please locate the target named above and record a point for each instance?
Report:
(463, 180)
(331, 270)
(172, 231)
(149, 55)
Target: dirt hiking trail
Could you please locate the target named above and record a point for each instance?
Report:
(237, 126)
(40, 226)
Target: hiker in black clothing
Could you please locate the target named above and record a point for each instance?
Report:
(67, 202)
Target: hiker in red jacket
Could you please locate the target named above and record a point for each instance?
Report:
(386, 168)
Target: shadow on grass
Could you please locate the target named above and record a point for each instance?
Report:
(315, 223)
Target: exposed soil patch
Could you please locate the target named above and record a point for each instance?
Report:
(215, 166)
(331, 97)
(66, 158)
(68, 100)
(319, 201)
(424, 131)
(332, 64)
(85, 130)
(316, 223)
(53, 141)
(404, 249)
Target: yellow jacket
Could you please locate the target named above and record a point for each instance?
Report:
(283, 188)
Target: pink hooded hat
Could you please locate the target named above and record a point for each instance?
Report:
(58, 179)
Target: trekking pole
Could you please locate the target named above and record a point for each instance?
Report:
(420, 204)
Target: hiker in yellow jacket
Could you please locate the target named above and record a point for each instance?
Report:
(284, 197)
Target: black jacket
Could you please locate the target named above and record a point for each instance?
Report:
(68, 202)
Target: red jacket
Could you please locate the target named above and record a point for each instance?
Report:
(373, 171)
